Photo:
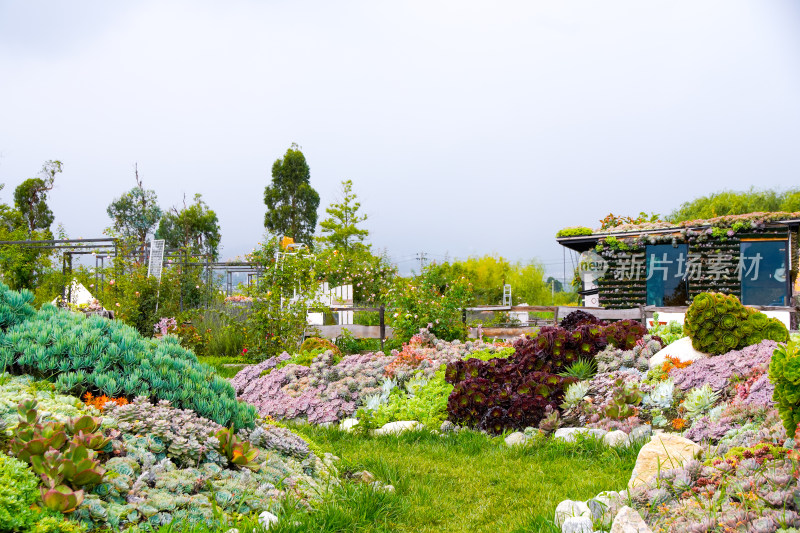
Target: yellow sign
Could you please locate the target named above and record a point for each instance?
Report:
(285, 242)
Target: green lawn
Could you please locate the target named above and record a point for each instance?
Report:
(467, 482)
(218, 362)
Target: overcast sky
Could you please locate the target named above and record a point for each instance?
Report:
(467, 128)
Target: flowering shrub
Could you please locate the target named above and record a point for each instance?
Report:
(165, 325)
(431, 301)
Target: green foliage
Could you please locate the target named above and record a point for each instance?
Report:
(485, 355)
(574, 231)
(22, 268)
(669, 332)
(784, 373)
(429, 300)
(738, 203)
(488, 275)
(281, 299)
(718, 323)
(214, 332)
(426, 403)
(95, 354)
(340, 230)
(136, 212)
(370, 275)
(30, 197)
(18, 492)
(291, 201)
(138, 300)
(194, 229)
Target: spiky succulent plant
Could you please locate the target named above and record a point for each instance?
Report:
(574, 394)
(699, 401)
(661, 396)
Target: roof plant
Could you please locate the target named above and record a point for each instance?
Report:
(103, 356)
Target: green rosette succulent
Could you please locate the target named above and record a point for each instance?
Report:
(784, 373)
(718, 323)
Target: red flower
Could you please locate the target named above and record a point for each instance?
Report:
(244, 350)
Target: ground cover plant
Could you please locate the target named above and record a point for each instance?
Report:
(150, 465)
(326, 388)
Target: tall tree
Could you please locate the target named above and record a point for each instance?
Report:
(291, 201)
(136, 212)
(195, 228)
(340, 230)
(30, 197)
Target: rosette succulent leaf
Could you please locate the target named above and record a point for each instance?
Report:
(718, 323)
(240, 453)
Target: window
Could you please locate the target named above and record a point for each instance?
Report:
(666, 275)
(763, 268)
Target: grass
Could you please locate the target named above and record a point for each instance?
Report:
(458, 482)
(467, 482)
(218, 362)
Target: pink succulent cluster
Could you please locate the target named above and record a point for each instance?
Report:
(717, 371)
(328, 391)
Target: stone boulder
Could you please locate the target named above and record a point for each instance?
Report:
(616, 438)
(681, 349)
(577, 524)
(516, 438)
(348, 424)
(571, 509)
(628, 520)
(570, 434)
(663, 452)
(395, 428)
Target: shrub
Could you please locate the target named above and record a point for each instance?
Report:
(98, 355)
(319, 345)
(718, 323)
(18, 492)
(784, 372)
(574, 231)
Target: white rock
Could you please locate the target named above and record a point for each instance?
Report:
(348, 424)
(616, 438)
(641, 433)
(516, 438)
(664, 451)
(629, 521)
(266, 519)
(577, 524)
(569, 434)
(395, 428)
(569, 508)
(682, 349)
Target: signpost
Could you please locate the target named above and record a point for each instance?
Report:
(156, 264)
